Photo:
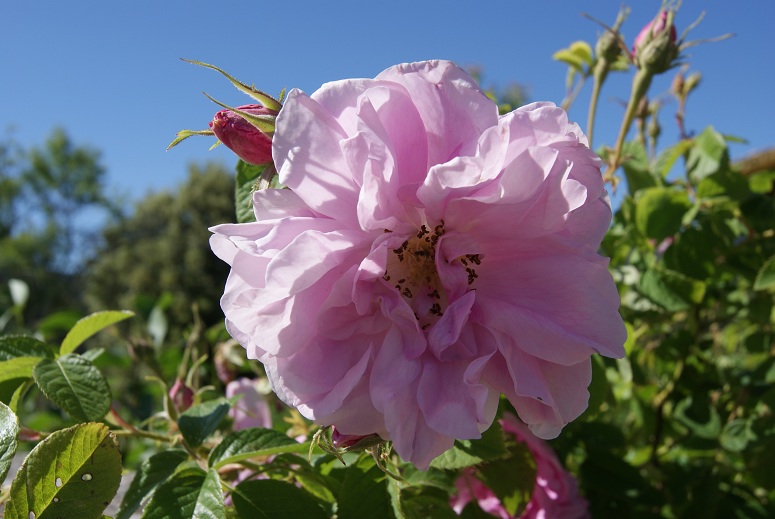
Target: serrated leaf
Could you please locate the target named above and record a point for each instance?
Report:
(76, 385)
(75, 472)
(659, 210)
(150, 474)
(273, 499)
(9, 430)
(765, 278)
(189, 494)
(247, 181)
(12, 346)
(250, 443)
(199, 421)
(90, 325)
(364, 488)
(467, 453)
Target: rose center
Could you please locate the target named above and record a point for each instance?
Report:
(411, 270)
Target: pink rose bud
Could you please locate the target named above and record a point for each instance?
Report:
(655, 46)
(181, 395)
(353, 441)
(240, 136)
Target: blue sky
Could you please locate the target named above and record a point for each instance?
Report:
(109, 72)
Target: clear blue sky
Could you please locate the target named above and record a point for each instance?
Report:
(109, 72)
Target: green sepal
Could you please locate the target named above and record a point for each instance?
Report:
(262, 97)
(182, 135)
(264, 123)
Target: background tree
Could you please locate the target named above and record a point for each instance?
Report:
(45, 194)
(162, 248)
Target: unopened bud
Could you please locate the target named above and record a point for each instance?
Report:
(691, 82)
(242, 137)
(353, 442)
(607, 47)
(655, 47)
(181, 395)
(677, 86)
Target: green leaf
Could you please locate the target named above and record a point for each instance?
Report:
(466, 453)
(150, 474)
(364, 488)
(90, 325)
(9, 430)
(765, 278)
(12, 346)
(725, 183)
(699, 416)
(736, 435)
(250, 443)
(75, 472)
(666, 159)
(578, 54)
(273, 499)
(512, 479)
(708, 155)
(13, 373)
(670, 289)
(189, 494)
(198, 421)
(76, 385)
(247, 181)
(659, 210)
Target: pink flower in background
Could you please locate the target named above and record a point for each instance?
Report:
(428, 256)
(252, 409)
(555, 494)
(236, 133)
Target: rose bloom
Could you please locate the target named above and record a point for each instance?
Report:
(428, 256)
(555, 493)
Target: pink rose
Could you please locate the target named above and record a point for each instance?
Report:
(251, 410)
(555, 494)
(428, 256)
(655, 47)
(236, 133)
(181, 395)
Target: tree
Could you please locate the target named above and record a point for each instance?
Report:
(163, 248)
(43, 241)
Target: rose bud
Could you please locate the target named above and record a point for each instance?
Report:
(242, 137)
(181, 395)
(655, 47)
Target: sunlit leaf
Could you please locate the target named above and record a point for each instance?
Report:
(250, 443)
(9, 429)
(766, 277)
(90, 325)
(75, 472)
(76, 385)
(659, 210)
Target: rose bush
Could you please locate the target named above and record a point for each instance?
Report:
(428, 256)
